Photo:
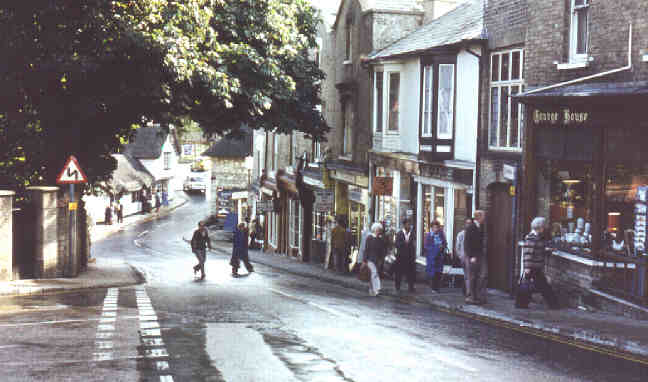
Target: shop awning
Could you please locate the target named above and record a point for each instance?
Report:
(593, 92)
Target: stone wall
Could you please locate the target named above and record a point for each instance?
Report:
(229, 173)
(6, 235)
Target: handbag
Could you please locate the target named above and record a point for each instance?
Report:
(365, 273)
(526, 288)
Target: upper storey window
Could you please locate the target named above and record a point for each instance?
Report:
(386, 101)
(348, 41)
(579, 30)
(505, 122)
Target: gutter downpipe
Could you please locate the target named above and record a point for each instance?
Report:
(602, 74)
(477, 172)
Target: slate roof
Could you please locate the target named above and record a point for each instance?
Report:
(464, 23)
(147, 143)
(232, 147)
(130, 175)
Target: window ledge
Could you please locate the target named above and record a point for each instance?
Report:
(504, 149)
(346, 62)
(345, 157)
(573, 65)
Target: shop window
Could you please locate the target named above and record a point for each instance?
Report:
(506, 120)
(319, 225)
(273, 228)
(566, 197)
(433, 206)
(295, 224)
(386, 204)
(626, 202)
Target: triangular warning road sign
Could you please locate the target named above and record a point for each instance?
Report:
(71, 172)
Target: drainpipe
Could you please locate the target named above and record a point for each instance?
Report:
(597, 75)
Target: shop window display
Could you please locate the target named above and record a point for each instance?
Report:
(566, 195)
(626, 202)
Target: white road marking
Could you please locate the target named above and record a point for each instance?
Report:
(142, 234)
(106, 331)
(150, 334)
(320, 307)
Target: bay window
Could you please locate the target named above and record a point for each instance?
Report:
(437, 107)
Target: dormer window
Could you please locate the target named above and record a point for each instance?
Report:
(579, 30)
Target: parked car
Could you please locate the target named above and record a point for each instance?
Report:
(195, 183)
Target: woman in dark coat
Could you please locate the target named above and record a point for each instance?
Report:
(434, 246)
(240, 250)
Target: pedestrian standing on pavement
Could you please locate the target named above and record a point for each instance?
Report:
(460, 252)
(253, 225)
(434, 246)
(375, 249)
(533, 260)
(405, 263)
(363, 246)
(165, 198)
(339, 244)
(108, 215)
(240, 250)
(474, 248)
(158, 201)
(120, 212)
(199, 243)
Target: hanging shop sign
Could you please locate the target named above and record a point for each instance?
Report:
(324, 200)
(264, 206)
(508, 172)
(383, 185)
(561, 117)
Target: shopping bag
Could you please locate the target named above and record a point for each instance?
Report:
(364, 273)
(524, 291)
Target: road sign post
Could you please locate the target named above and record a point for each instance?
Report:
(72, 174)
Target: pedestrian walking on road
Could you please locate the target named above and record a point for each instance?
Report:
(434, 246)
(475, 252)
(119, 211)
(240, 250)
(374, 250)
(405, 263)
(533, 260)
(199, 243)
(460, 252)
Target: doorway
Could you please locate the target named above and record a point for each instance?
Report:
(500, 237)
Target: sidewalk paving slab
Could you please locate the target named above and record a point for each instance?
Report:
(103, 273)
(616, 335)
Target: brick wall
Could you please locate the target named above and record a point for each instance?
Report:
(548, 40)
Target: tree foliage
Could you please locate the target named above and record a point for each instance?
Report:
(80, 75)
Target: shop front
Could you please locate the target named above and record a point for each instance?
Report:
(586, 171)
(351, 203)
(444, 194)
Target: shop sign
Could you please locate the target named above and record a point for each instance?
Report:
(240, 195)
(564, 117)
(264, 206)
(383, 185)
(508, 172)
(359, 195)
(345, 177)
(323, 200)
(410, 213)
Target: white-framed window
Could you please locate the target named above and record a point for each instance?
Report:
(347, 129)
(445, 106)
(293, 149)
(167, 161)
(273, 228)
(428, 100)
(294, 235)
(579, 30)
(394, 101)
(378, 102)
(505, 115)
(317, 151)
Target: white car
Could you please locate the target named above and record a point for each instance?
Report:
(195, 183)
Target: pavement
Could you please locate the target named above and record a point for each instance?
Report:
(101, 273)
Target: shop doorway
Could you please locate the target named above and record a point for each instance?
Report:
(500, 236)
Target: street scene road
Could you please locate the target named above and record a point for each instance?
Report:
(269, 325)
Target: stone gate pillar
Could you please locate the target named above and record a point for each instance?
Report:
(6, 235)
(46, 238)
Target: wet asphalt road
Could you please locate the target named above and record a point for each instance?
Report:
(268, 326)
